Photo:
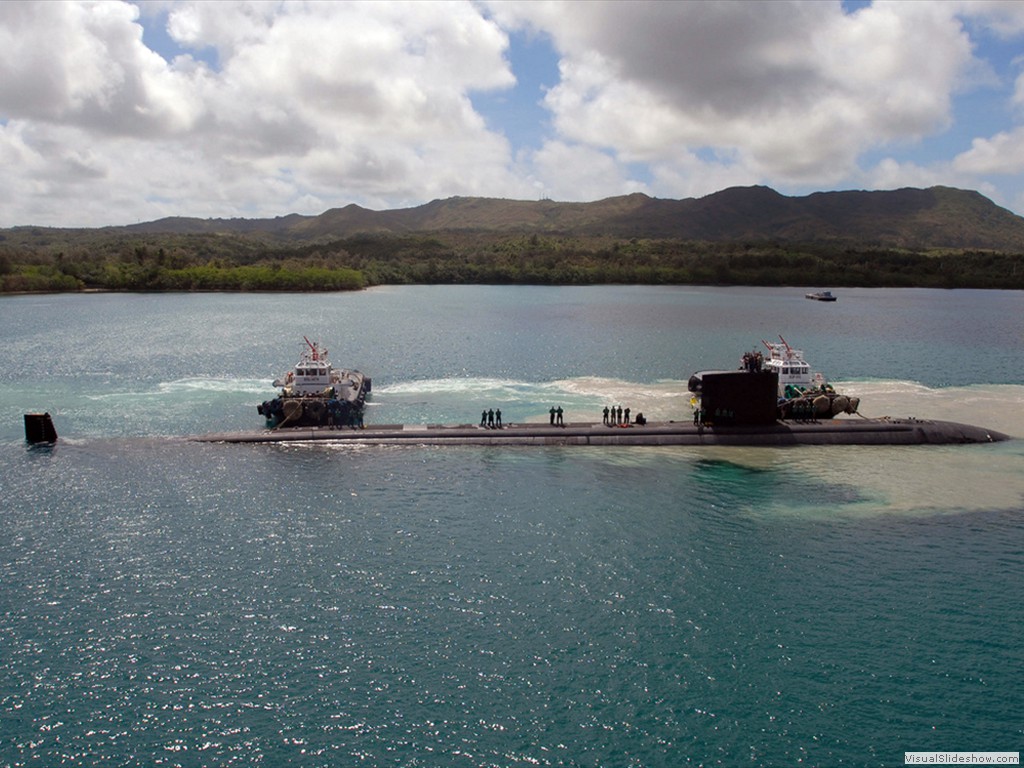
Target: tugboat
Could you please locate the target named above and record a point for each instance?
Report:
(315, 394)
(803, 393)
(783, 386)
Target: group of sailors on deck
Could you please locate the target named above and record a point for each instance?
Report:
(617, 416)
(752, 361)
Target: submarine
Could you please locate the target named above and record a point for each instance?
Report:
(736, 430)
(774, 402)
(880, 431)
(739, 408)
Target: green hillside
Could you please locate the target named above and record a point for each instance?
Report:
(938, 237)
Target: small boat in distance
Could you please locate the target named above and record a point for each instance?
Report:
(820, 296)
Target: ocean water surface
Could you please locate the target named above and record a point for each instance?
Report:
(171, 603)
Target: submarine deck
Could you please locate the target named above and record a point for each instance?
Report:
(879, 431)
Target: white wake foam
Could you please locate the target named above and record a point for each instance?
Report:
(191, 385)
(996, 406)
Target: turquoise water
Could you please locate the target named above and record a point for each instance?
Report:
(171, 603)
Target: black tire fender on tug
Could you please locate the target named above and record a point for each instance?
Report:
(292, 410)
(315, 411)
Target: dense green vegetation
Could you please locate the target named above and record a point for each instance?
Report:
(58, 260)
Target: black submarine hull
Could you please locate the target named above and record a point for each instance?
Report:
(882, 431)
(737, 408)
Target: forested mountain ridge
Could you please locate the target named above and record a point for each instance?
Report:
(938, 217)
(937, 237)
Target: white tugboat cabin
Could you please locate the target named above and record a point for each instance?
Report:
(791, 367)
(311, 375)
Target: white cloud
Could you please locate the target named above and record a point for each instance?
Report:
(1018, 93)
(309, 102)
(800, 89)
(892, 174)
(690, 176)
(1002, 17)
(85, 65)
(309, 105)
(790, 94)
(571, 172)
(227, 25)
(1000, 154)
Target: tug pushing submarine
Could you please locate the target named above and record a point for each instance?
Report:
(773, 401)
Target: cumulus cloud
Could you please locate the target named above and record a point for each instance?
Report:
(371, 97)
(265, 108)
(999, 154)
(561, 170)
(85, 65)
(1002, 18)
(316, 102)
(799, 89)
(1002, 153)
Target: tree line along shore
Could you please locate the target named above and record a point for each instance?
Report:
(217, 262)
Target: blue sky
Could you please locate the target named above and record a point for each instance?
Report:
(518, 111)
(114, 112)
